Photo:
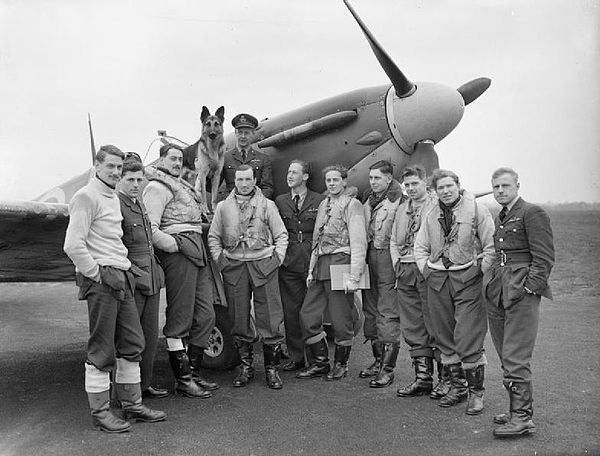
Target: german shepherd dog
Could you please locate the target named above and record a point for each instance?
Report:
(207, 154)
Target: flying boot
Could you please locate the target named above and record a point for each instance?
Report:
(503, 418)
(195, 355)
(318, 358)
(186, 385)
(272, 355)
(245, 368)
(130, 396)
(385, 377)
(521, 412)
(340, 364)
(373, 369)
(102, 417)
(458, 389)
(442, 387)
(423, 382)
(475, 379)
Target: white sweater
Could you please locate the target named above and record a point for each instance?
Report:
(94, 233)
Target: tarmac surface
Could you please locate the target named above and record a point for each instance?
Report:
(43, 407)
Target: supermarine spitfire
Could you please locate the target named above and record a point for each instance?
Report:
(400, 122)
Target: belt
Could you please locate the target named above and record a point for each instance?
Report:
(513, 256)
(298, 237)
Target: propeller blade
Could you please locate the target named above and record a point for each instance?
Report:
(473, 89)
(403, 86)
(426, 155)
(92, 145)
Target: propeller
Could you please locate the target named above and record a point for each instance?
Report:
(403, 86)
(92, 145)
(473, 89)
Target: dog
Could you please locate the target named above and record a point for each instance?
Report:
(204, 159)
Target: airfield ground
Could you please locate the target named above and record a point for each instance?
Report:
(43, 406)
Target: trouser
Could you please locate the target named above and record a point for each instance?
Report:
(114, 324)
(147, 307)
(415, 318)
(292, 286)
(380, 304)
(319, 297)
(268, 311)
(513, 333)
(458, 316)
(190, 311)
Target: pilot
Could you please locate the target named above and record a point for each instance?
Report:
(513, 289)
(248, 240)
(244, 154)
(340, 240)
(298, 209)
(149, 277)
(453, 247)
(380, 306)
(415, 320)
(103, 274)
(175, 213)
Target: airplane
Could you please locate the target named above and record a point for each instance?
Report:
(400, 122)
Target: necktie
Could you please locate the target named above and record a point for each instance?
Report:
(244, 155)
(503, 213)
(297, 202)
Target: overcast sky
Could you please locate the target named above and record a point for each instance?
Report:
(139, 66)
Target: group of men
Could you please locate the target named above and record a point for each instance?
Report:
(440, 267)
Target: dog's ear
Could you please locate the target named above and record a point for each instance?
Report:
(221, 114)
(205, 113)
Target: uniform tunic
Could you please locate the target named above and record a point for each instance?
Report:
(262, 169)
(524, 258)
(294, 270)
(149, 277)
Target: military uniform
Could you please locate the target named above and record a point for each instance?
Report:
(248, 240)
(452, 265)
(513, 288)
(380, 304)
(260, 162)
(149, 277)
(293, 272)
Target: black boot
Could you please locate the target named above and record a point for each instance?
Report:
(475, 379)
(102, 417)
(423, 383)
(195, 355)
(245, 368)
(385, 376)
(521, 412)
(458, 388)
(272, 354)
(130, 396)
(503, 418)
(185, 383)
(442, 387)
(373, 369)
(340, 365)
(318, 359)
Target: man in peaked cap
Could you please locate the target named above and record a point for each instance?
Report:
(245, 126)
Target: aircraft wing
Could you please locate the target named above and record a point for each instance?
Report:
(31, 242)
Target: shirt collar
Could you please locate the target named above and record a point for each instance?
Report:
(510, 205)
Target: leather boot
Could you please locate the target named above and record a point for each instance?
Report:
(340, 365)
(521, 412)
(373, 369)
(503, 418)
(458, 387)
(245, 368)
(130, 396)
(195, 355)
(272, 354)
(318, 359)
(185, 383)
(423, 382)
(475, 379)
(102, 417)
(442, 387)
(385, 377)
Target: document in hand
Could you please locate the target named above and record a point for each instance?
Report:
(340, 274)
